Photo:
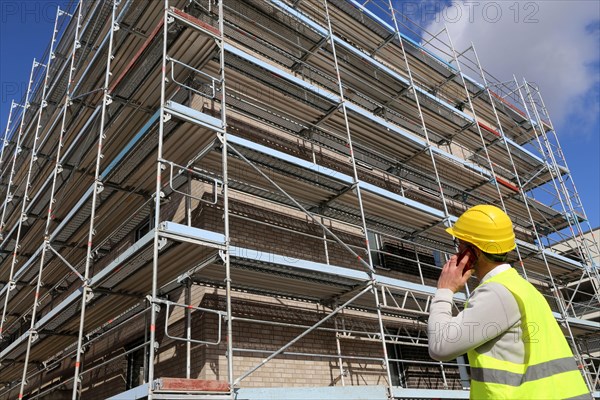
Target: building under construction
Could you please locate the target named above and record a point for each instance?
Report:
(247, 200)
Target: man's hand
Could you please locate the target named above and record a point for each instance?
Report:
(452, 274)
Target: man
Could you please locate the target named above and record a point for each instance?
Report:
(516, 348)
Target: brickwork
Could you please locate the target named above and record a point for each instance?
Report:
(415, 374)
(312, 361)
(279, 239)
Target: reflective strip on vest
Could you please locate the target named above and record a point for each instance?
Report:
(533, 372)
(582, 397)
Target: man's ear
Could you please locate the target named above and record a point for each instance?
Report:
(477, 253)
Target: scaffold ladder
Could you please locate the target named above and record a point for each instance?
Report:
(9, 196)
(169, 108)
(32, 334)
(456, 60)
(357, 189)
(566, 192)
(98, 187)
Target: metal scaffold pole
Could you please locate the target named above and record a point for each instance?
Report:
(224, 156)
(98, 187)
(32, 334)
(154, 305)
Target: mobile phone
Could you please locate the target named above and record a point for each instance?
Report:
(470, 262)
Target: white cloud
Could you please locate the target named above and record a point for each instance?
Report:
(555, 44)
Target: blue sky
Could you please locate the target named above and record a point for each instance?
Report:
(554, 44)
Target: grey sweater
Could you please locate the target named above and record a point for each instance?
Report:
(490, 324)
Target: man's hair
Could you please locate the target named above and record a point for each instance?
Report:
(496, 257)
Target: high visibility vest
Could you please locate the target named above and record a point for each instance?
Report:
(549, 370)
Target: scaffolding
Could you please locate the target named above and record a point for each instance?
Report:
(244, 200)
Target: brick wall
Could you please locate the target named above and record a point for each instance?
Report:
(312, 361)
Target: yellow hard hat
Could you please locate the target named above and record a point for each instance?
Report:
(487, 227)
